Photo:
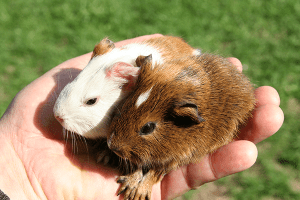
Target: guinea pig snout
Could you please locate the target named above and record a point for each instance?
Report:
(59, 119)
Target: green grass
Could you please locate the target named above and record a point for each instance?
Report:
(37, 35)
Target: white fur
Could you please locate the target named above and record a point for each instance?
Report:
(143, 97)
(92, 121)
(197, 52)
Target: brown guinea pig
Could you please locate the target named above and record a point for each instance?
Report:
(176, 114)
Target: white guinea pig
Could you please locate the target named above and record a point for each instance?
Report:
(85, 105)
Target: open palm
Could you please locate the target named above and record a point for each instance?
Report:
(37, 162)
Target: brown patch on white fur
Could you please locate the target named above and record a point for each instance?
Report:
(171, 47)
(103, 47)
(196, 105)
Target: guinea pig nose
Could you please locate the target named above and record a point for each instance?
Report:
(59, 119)
(115, 149)
(110, 145)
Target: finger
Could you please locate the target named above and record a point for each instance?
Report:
(232, 158)
(266, 95)
(236, 62)
(266, 121)
(267, 117)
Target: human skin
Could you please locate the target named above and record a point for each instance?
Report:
(37, 162)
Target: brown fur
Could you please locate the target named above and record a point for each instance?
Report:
(170, 47)
(103, 47)
(198, 104)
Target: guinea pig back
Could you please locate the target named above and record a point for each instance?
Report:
(177, 113)
(84, 105)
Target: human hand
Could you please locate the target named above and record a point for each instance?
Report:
(37, 163)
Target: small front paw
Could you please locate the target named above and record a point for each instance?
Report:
(103, 154)
(135, 186)
(103, 157)
(129, 183)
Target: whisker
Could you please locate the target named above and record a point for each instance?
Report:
(84, 141)
(74, 146)
(65, 135)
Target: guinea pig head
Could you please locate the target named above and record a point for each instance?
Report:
(84, 105)
(155, 124)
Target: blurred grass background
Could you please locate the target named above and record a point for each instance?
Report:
(37, 35)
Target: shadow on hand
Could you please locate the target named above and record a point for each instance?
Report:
(44, 118)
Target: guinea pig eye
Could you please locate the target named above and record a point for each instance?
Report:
(91, 101)
(148, 128)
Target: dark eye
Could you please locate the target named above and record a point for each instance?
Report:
(148, 128)
(91, 101)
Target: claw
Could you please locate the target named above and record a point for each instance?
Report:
(132, 193)
(121, 191)
(127, 195)
(121, 179)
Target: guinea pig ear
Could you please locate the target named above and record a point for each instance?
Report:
(143, 60)
(186, 114)
(124, 73)
(103, 47)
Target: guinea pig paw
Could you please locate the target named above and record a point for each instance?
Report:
(143, 192)
(144, 189)
(139, 193)
(130, 185)
(103, 157)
